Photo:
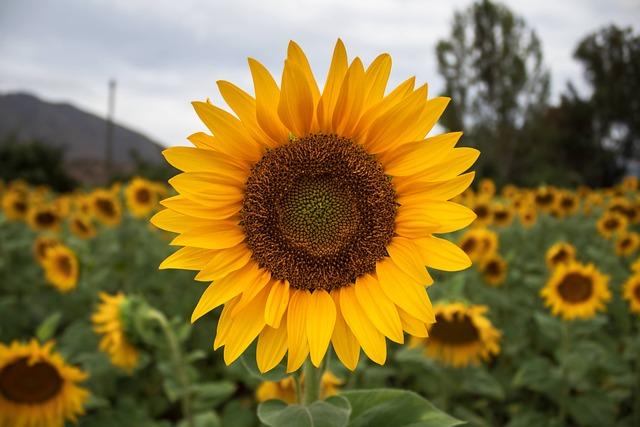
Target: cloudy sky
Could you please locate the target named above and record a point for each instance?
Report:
(165, 54)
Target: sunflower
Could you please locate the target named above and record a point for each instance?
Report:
(108, 322)
(106, 207)
(576, 291)
(15, 204)
(37, 387)
(528, 216)
(567, 204)
(631, 292)
(611, 223)
(502, 215)
(624, 207)
(41, 247)
(61, 268)
(286, 391)
(627, 243)
(545, 198)
(560, 253)
(482, 208)
(314, 212)
(635, 267)
(629, 183)
(479, 243)
(486, 187)
(44, 218)
(510, 192)
(81, 226)
(461, 335)
(141, 197)
(494, 269)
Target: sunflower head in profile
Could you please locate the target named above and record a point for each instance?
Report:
(545, 198)
(576, 291)
(108, 322)
(61, 268)
(15, 204)
(106, 207)
(43, 217)
(494, 269)
(314, 211)
(627, 243)
(560, 253)
(479, 243)
(141, 197)
(611, 223)
(528, 215)
(486, 187)
(631, 292)
(37, 387)
(285, 389)
(502, 214)
(482, 209)
(42, 245)
(81, 226)
(461, 336)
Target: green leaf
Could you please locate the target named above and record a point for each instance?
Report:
(480, 382)
(209, 395)
(48, 327)
(593, 409)
(205, 419)
(389, 407)
(540, 375)
(333, 412)
(248, 362)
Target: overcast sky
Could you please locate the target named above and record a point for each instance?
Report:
(165, 54)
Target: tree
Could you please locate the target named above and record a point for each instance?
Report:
(493, 68)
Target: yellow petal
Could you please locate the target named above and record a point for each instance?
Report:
(412, 325)
(297, 329)
(204, 141)
(380, 310)
(413, 157)
(321, 316)
(208, 188)
(377, 76)
(224, 262)
(456, 162)
(344, 342)
(404, 254)
(244, 328)
(188, 259)
(213, 210)
(252, 290)
(220, 235)
(442, 254)
(452, 216)
(296, 107)
(272, 346)
(267, 98)
(434, 190)
(277, 303)
(414, 223)
(430, 115)
(350, 101)
(224, 323)
(176, 222)
(296, 54)
(371, 340)
(335, 77)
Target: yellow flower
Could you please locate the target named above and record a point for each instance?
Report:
(494, 269)
(461, 336)
(314, 211)
(627, 243)
(611, 223)
(108, 322)
(576, 291)
(629, 183)
(44, 218)
(479, 243)
(61, 268)
(141, 197)
(502, 215)
(37, 387)
(560, 253)
(510, 191)
(15, 204)
(624, 207)
(482, 209)
(486, 187)
(545, 198)
(285, 389)
(568, 204)
(41, 247)
(631, 292)
(106, 207)
(635, 267)
(528, 216)
(81, 226)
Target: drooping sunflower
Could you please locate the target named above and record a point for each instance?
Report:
(627, 243)
(479, 243)
(611, 223)
(631, 292)
(108, 322)
(576, 291)
(560, 253)
(141, 197)
(37, 387)
(106, 206)
(41, 247)
(461, 336)
(494, 269)
(314, 211)
(502, 215)
(528, 215)
(82, 226)
(15, 204)
(285, 389)
(43, 217)
(61, 268)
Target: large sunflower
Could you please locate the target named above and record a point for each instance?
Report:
(141, 197)
(37, 387)
(61, 268)
(108, 322)
(631, 292)
(461, 335)
(576, 291)
(314, 211)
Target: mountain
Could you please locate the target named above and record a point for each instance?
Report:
(80, 134)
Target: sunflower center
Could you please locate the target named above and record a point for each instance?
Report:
(636, 292)
(611, 224)
(20, 206)
(575, 288)
(458, 330)
(64, 265)
(625, 243)
(481, 211)
(493, 268)
(469, 245)
(22, 382)
(566, 203)
(143, 195)
(318, 212)
(544, 199)
(45, 218)
(80, 224)
(106, 207)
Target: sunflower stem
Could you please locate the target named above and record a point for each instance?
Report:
(312, 382)
(564, 367)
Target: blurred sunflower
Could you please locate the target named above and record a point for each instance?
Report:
(631, 292)
(568, 203)
(627, 243)
(502, 214)
(624, 207)
(510, 192)
(479, 243)
(82, 226)
(42, 245)
(313, 212)
(576, 291)
(108, 322)
(141, 197)
(611, 223)
(37, 387)
(461, 335)
(494, 269)
(629, 183)
(486, 187)
(43, 218)
(106, 207)
(15, 204)
(528, 216)
(545, 198)
(61, 268)
(635, 267)
(285, 389)
(560, 253)
(482, 208)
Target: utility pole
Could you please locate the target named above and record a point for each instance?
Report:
(108, 155)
